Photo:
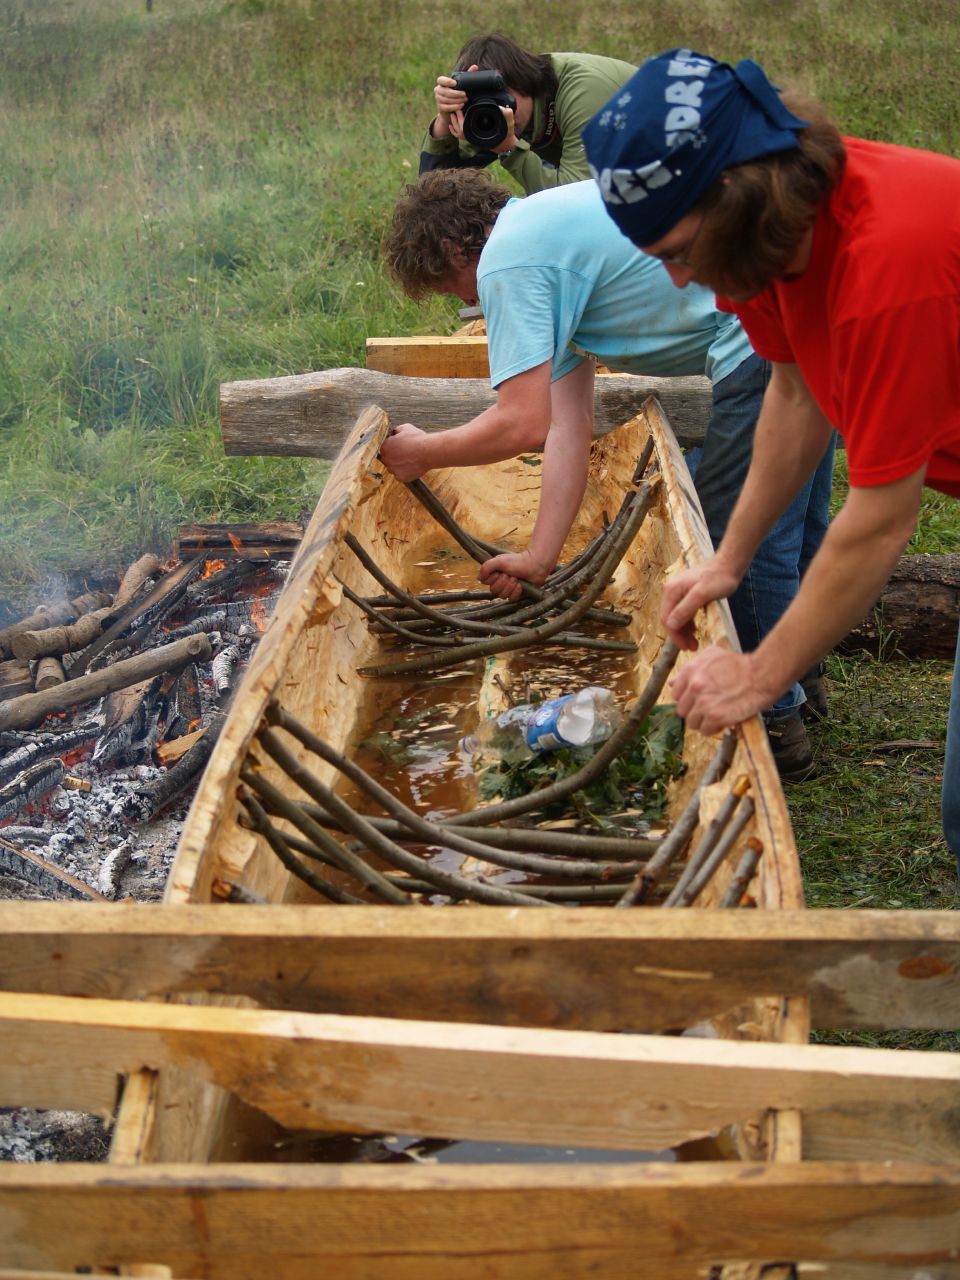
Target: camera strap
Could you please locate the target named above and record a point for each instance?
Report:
(549, 133)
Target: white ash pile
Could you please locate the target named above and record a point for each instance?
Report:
(99, 757)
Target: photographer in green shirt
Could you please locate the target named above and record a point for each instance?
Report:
(555, 94)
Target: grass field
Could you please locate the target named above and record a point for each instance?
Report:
(196, 193)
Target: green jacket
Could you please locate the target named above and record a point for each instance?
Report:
(552, 154)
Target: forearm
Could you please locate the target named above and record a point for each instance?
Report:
(843, 581)
(492, 436)
(566, 458)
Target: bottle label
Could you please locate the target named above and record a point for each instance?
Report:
(542, 731)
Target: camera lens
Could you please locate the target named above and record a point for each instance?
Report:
(484, 125)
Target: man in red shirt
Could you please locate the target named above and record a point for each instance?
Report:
(842, 259)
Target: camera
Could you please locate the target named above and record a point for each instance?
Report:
(483, 124)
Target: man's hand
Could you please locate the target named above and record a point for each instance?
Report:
(512, 138)
(689, 591)
(502, 573)
(450, 103)
(403, 450)
(717, 689)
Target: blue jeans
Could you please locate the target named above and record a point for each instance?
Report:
(782, 558)
(950, 800)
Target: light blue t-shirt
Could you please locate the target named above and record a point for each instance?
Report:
(557, 280)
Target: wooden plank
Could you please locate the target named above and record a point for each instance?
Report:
(461, 1222)
(332, 1072)
(430, 356)
(591, 969)
(310, 414)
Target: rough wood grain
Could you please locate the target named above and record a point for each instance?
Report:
(311, 414)
(593, 969)
(387, 1075)
(916, 614)
(298, 1222)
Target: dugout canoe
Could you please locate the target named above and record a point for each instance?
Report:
(443, 1043)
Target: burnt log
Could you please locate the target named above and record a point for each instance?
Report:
(310, 414)
(43, 875)
(917, 612)
(272, 539)
(32, 708)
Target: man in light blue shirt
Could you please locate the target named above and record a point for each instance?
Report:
(561, 287)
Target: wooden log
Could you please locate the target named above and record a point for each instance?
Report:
(470, 1222)
(29, 709)
(127, 612)
(593, 969)
(49, 673)
(16, 678)
(311, 414)
(916, 614)
(134, 578)
(59, 640)
(340, 1073)
(53, 615)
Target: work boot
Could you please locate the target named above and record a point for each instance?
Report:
(791, 748)
(815, 707)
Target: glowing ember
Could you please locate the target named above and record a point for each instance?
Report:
(211, 567)
(259, 615)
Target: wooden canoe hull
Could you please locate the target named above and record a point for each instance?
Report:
(307, 661)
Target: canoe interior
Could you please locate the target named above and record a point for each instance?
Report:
(316, 640)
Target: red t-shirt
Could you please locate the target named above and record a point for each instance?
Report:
(874, 321)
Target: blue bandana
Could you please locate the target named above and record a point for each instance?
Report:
(673, 128)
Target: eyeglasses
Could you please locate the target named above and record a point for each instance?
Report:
(680, 257)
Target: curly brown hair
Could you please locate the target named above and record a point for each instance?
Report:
(756, 214)
(444, 212)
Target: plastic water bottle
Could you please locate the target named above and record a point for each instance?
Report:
(579, 719)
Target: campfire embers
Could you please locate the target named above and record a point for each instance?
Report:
(94, 753)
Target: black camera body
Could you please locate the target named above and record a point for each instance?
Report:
(483, 124)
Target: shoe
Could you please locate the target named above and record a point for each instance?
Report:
(815, 708)
(792, 752)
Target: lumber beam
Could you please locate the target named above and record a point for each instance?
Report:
(463, 1222)
(457, 355)
(348, 1074)
(592, 969)
(311, 414)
